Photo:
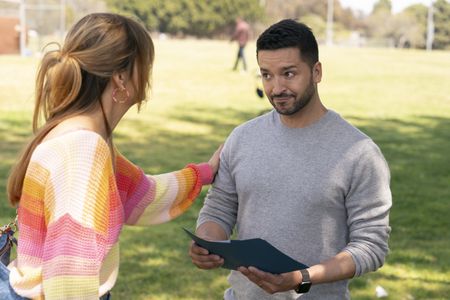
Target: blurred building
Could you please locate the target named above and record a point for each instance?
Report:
(45, 21)
(9, 35)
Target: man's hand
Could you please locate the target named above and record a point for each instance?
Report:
(202, 259)
(272, 283)
(200, 256)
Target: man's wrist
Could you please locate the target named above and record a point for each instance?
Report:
(305, 283)
(297, 279)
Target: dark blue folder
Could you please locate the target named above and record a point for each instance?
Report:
(253, 252)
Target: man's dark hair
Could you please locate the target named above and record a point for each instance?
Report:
(290, 33)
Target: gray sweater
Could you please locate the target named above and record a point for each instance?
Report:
(312, 192)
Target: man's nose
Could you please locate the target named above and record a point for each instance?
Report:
(278, 86)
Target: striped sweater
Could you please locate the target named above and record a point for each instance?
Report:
(72, 210)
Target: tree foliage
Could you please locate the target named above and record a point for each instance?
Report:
(210, 18)
(314, 14)
(441, 25)
(379, 22)
(409, 27)
(382, 7)
(190, 17)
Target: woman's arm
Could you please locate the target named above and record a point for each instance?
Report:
(154, 199)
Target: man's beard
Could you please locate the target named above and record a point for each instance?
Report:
(299, 102)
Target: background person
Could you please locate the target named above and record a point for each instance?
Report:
(241, 35)
(300, 177)
(74, 189)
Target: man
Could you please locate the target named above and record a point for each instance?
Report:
(241, 36)
(300, 177)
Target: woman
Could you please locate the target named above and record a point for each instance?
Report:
(74, 190)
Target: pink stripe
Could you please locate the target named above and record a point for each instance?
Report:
(31, 241)
(68, 237)
(140, 207)
(206, 173)
(113, 234)
(137, 202)
(66, 266)
(116, 216)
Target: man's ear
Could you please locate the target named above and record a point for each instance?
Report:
(317, 72)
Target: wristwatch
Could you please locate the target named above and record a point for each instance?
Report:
(305, 285)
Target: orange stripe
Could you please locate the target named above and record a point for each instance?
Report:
(186, 183)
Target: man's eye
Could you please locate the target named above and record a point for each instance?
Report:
(289, 74)
(265, 76)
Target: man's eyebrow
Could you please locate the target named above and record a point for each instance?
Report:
(290, 67)
(284, 68)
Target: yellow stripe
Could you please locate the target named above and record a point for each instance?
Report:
(22, 282)
(49, 207)
(34, 180)
(71, 286)
(95, 203)
(162, 186)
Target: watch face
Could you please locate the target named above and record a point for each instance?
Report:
(303, 287)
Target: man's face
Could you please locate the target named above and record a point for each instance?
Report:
(288, 81)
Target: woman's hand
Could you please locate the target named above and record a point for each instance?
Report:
(215, 160)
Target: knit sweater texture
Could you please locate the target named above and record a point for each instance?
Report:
(73, 208)
(311, 192)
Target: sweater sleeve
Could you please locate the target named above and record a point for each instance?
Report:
(368, 203)
(154, 199)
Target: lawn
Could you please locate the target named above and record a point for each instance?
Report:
(401, 98)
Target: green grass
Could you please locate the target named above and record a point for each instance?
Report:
(400, 98)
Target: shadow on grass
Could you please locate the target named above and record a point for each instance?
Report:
(417, 151)
(154, 261)
(418, 155)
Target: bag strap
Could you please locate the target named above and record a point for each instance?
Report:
(10, 241)
(11, 226)
(10, 229)
(7, 240)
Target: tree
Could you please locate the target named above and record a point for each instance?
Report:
(379, 23)
(409, 27)
(441, 25)
(190, 17)
(383, 7)
(314, 14)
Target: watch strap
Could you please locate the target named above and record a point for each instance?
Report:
(305, 285)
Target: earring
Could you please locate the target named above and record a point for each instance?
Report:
(117, 90)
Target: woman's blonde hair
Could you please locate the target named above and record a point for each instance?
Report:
(71, 80)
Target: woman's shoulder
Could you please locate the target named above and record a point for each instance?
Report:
(71, 146)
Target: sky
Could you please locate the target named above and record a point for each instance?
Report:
(367, 5)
